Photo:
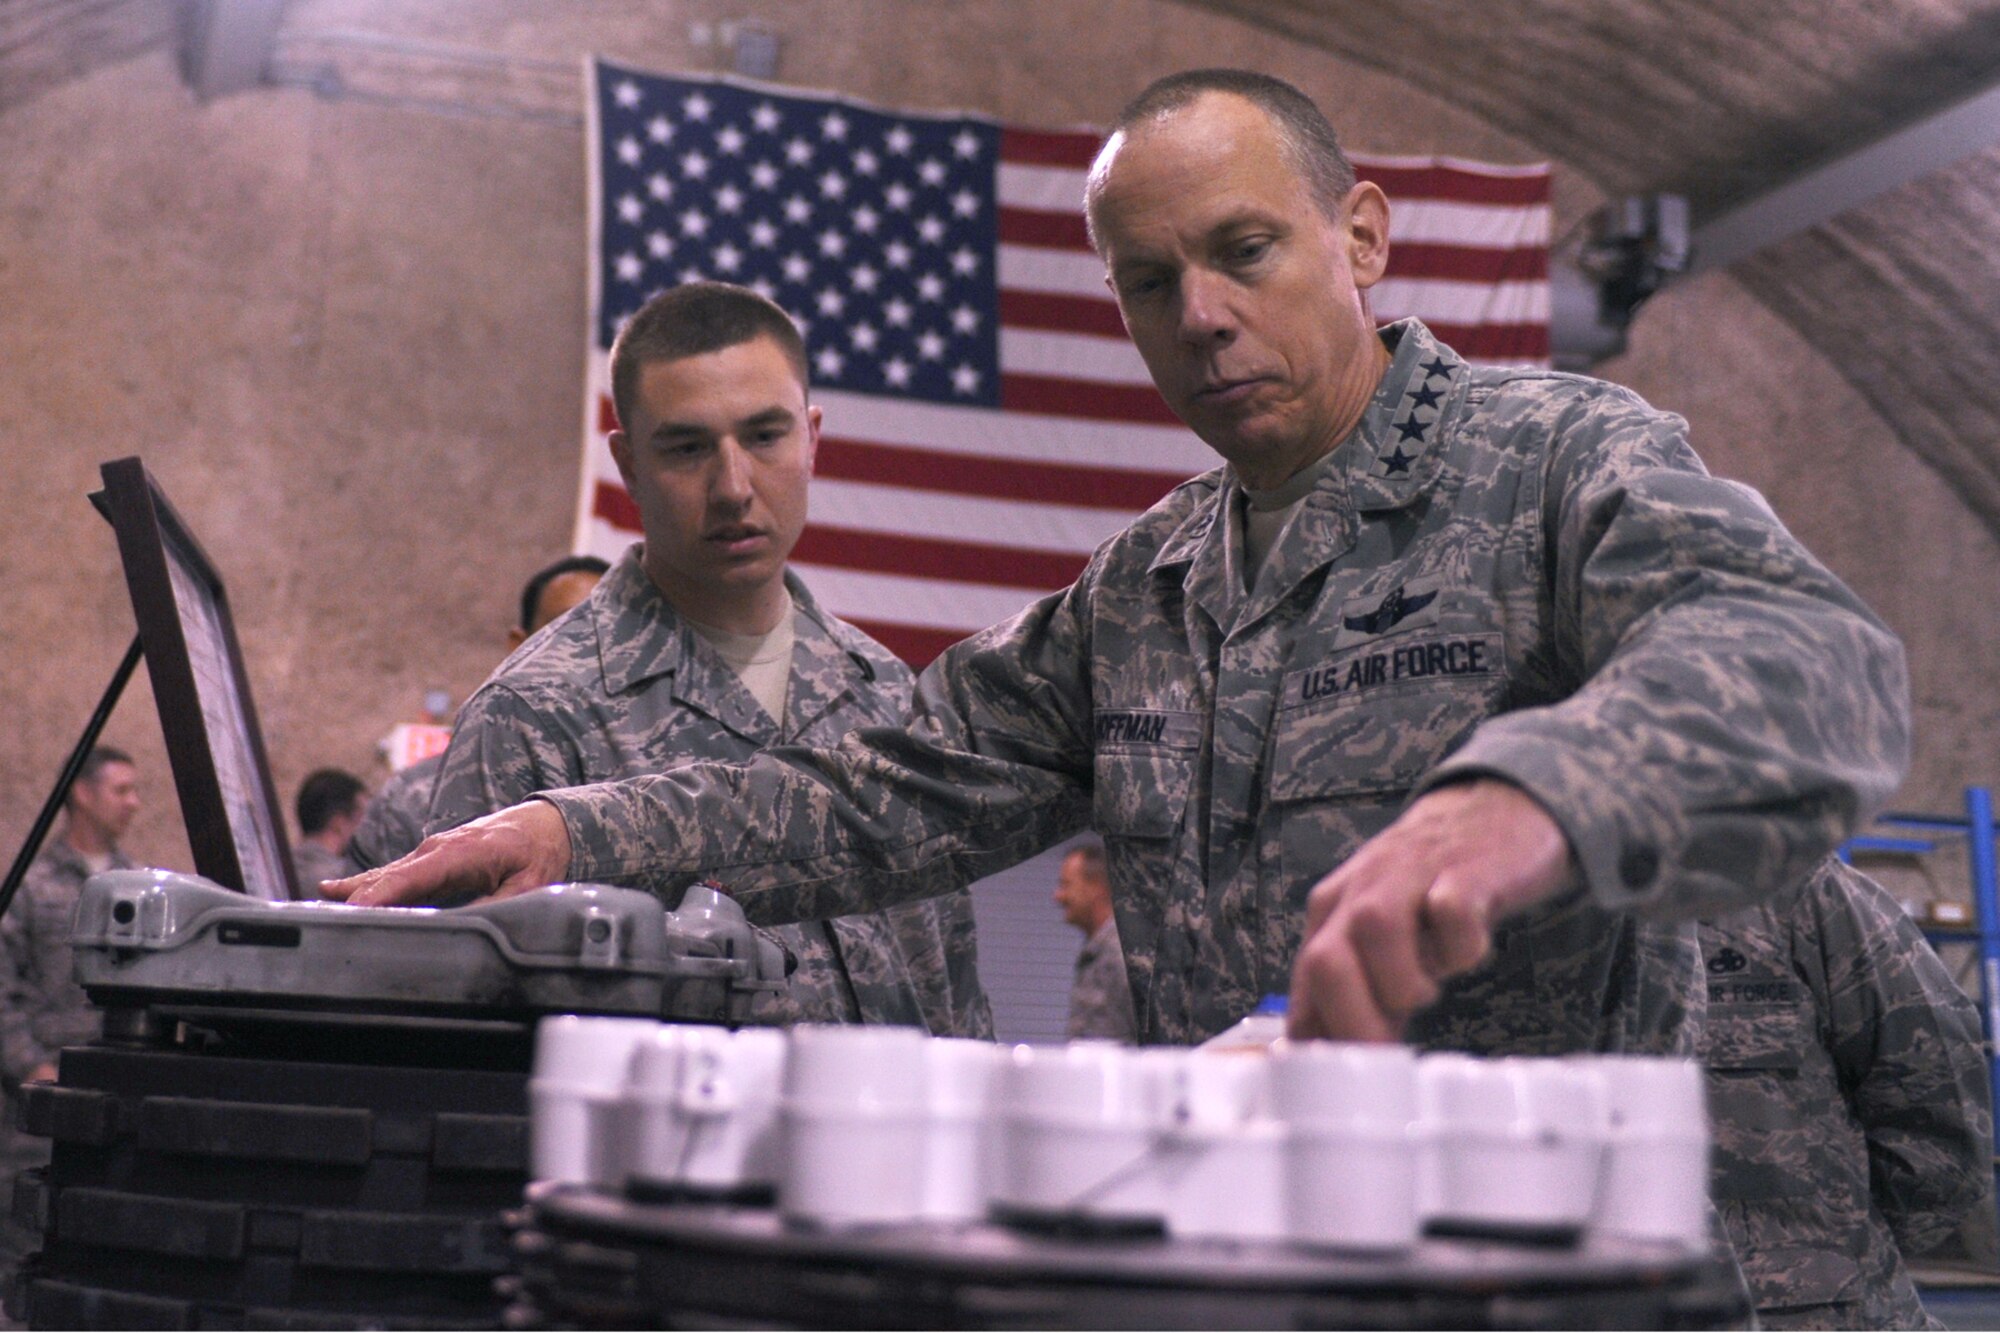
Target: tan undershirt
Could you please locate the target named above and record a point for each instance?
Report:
(763, 662)
(1265, 514)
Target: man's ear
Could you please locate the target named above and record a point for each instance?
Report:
(813, 417)
(1366, 214)
(621, 454)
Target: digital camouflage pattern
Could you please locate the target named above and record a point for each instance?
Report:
(1508, 572)
(620, 686)
(1851, 1109)
(1100, 1001)
(42, 1009)
(393, 824)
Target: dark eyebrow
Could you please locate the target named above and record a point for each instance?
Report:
(776, 415)
(674, 430)
(772, 416)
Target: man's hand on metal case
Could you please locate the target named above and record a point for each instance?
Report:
(512, 851)
(1416, 905)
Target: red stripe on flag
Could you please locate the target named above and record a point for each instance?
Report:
(879, 552)
(929, 558)
(916, 646)
(1467, 263)
(1047, 395)
(1494, 342)
(1458, 186)
(993, 478)
(1060, 314)
(614, 505)
(607, 415)
(1032, 226)
(1048, 148)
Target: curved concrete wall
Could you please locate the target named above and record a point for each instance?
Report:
(345, 334)
(1763, 408)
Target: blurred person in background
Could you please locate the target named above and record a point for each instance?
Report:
(1100, 998)
(394, 824)
(42, 1009)
(330, 805)
(1850, 1101)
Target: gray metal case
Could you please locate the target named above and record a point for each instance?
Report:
(151, 937)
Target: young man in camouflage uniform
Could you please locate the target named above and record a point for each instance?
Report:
(700, 644)
(1100, 1001)
(1434, 705)
(394, 822)
(1851, 1106)
(42, 1009)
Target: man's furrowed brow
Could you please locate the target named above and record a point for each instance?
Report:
(679, 430)
(771, 416)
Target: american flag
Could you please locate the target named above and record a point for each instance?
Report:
(987, 423)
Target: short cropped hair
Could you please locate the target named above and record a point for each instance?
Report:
(1305, 136)
(93, 764)
(1090, 859)
(694, 319)
(531, 591)
(326, 794)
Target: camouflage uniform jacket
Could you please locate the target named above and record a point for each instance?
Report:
(42, 1009)
(1100, 1003)
(621, 686)
(393, 824)
(1507, 572)
(1851, 1104)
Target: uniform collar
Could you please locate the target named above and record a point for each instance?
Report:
(1395, 450)
(1390, 458)
(639, 634)
(828, 663)
(73, 862)
(640, 637)
(1104, 937)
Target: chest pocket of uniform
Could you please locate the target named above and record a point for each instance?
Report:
(1140, 794)
(1769, 1036)
(1758, 1096)
(1339, 770)
(1374, 743)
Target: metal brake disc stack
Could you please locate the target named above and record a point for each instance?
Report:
(309, 1115)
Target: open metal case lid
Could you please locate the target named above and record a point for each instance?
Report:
(234, 825)
(156, 938)
(235, 938)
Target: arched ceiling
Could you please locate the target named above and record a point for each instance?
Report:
(46, 43)
(1720, 100)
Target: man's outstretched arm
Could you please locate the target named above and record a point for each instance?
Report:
(1734, 712)
(511, 851)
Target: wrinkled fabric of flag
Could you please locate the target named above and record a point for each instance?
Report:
(988, 424)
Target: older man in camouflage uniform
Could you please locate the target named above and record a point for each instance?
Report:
(1851, 1104)
(1489, 645)
(700, 644)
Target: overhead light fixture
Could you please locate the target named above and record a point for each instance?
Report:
(1630, 249)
